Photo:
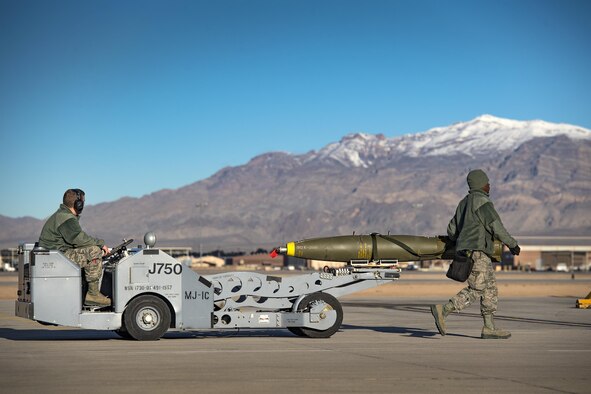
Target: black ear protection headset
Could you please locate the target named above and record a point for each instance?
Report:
(79, 203)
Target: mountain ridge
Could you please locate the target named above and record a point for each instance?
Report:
(362, 183)
(480, 136)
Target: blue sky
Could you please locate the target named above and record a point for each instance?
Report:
(127, 98)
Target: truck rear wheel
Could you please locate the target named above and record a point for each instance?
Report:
(329, 303)
(146, 318)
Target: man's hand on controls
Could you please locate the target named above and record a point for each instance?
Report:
(105, 249)
(515, 250)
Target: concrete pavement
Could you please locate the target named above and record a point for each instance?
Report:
(384, 345)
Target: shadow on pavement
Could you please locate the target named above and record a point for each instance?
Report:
(87, 335)
(425, 308)
(406, 331)
(55, 335)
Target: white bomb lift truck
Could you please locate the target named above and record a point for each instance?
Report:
(151, 293)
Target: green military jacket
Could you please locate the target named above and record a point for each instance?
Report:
(62, 231)
(476, 224)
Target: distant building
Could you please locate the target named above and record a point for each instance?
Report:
(207, 261)
(10, 256)
(262, 260)
(545, 253)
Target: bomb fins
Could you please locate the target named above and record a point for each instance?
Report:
(375, 248)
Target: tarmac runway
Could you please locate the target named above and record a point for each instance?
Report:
(384, 345)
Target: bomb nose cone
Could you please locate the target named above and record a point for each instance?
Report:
(290, 249)
(277, 251)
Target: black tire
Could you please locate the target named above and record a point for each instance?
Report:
(146, 318)
(331, 304)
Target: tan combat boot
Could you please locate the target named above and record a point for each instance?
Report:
(94, 296)
(440, 312)
(490, 332)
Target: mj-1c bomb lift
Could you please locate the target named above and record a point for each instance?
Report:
(151, 292)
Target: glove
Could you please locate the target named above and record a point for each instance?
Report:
(515, 251)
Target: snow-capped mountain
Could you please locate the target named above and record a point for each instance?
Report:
(484, 135)
(481, 136)
(357, 150)
(540, 174)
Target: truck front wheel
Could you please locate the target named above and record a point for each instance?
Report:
(146, 318)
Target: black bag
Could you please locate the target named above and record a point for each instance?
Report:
(461, 266)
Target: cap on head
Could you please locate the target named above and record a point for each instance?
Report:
(477, 179)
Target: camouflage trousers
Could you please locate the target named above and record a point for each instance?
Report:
(482, 285)
(89, 258)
